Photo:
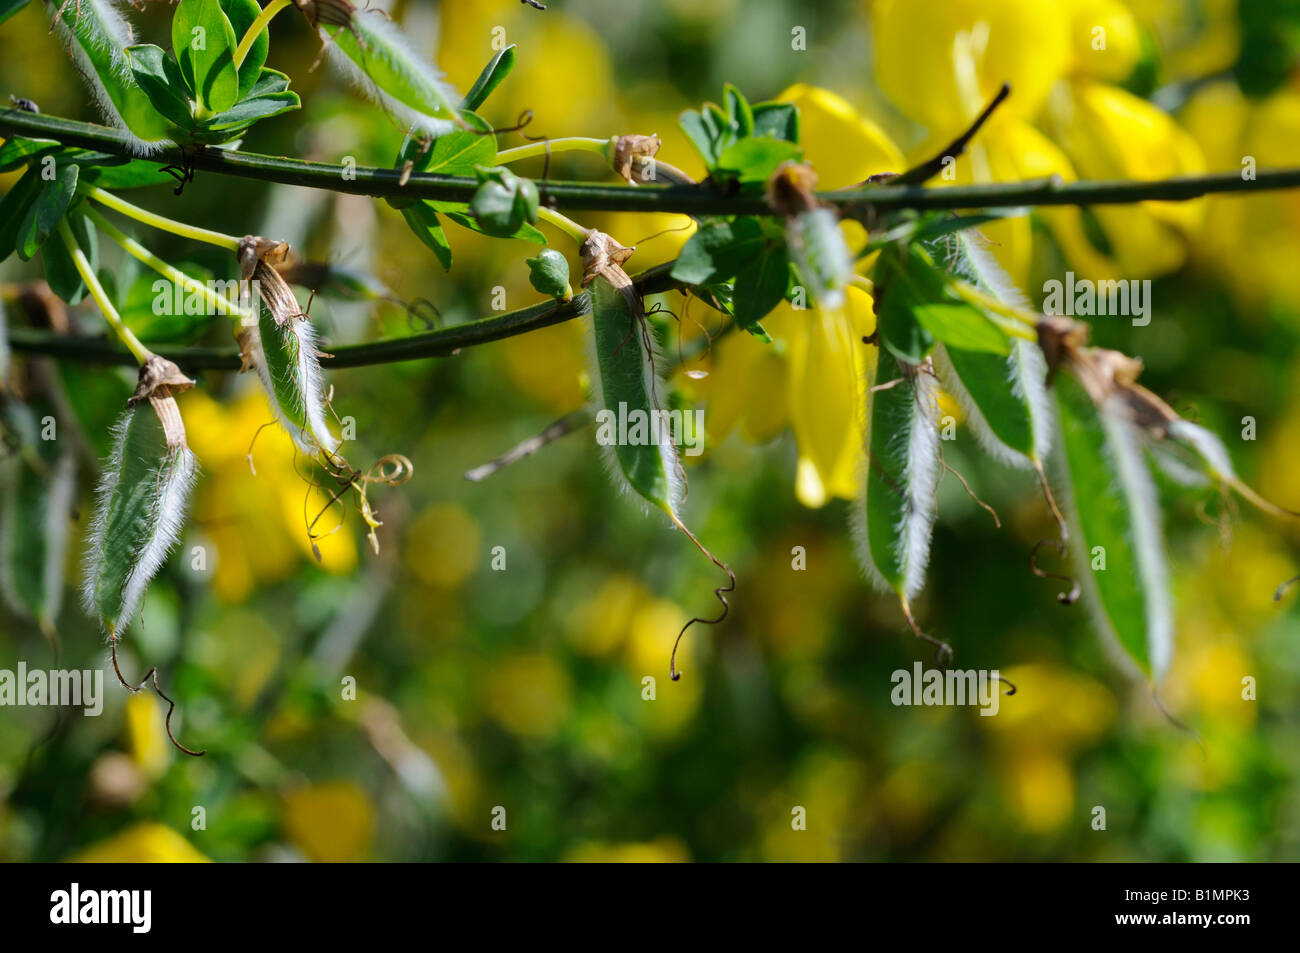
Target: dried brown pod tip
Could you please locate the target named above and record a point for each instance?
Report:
(159, 378)
(790, 189)
(633, 158)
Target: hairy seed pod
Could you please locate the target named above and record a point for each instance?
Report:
(895, 517)
(281, 345)
(1118, 545)
(369, 48)
(1004, 396)
(96, 36)
(624, 357)
(140, 507)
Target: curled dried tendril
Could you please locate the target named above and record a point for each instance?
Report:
(393, 469)
(152, 674)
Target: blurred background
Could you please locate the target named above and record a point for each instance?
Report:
(522, 689)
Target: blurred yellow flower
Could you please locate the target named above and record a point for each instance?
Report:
(1250, 241)
(146, 734)
(813, 376)
(443, 546)
(1040, 789)
(664, 850)
(529, 694)
(257, 523)
(942, 62)
(331, 823)
(145, 843)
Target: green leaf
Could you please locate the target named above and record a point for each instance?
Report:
(504, 202)
(754, 160)
(140, 507)
(9, 7)
(1117, 542)
(158, 75)
(702, 135)
(719, 249)
(549, 274)
(35, 515)
(493, 74)
(17, 151)
(423, 221)
(241, 14)
(130, 175)
(61, 273)
(778, 120)
(896, 516)
(740, 117)
(204, 42)
(759, 288)
(270, 96)
(43, 215)
(625, 389)
(457, 152)
(14, 208)
(525, 232)
(916, 308)
(963, 326)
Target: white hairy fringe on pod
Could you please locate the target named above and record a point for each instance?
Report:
(921, 477)
(308, 385)
(1026, 366)
(653, 385)
(175, 472)
(112, 38)
(1124, 445)
(372, 27)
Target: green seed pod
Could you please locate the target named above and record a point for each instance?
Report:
(281, 345)
(1118, 547)
(549, 274)
(39, 486)
(623, 358)
(97, 35)
(819, 254)
(895, 518)
(287, 363)
(1004, 396)
(369, 48)
(139, 509)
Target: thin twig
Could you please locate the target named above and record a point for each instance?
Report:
(700, 199)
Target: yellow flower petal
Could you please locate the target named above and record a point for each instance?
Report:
(843, 147)
(141, 844)
(1022, 42)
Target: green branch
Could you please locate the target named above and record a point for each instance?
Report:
(700, 199)
(441, 342)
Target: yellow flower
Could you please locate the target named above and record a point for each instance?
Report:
(941, 62)
(331, 823)
(1112, 134)
(813, 374)
(842, 146)
(665, 850)
(257, 523)
(1251, 241)
(142, 844)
